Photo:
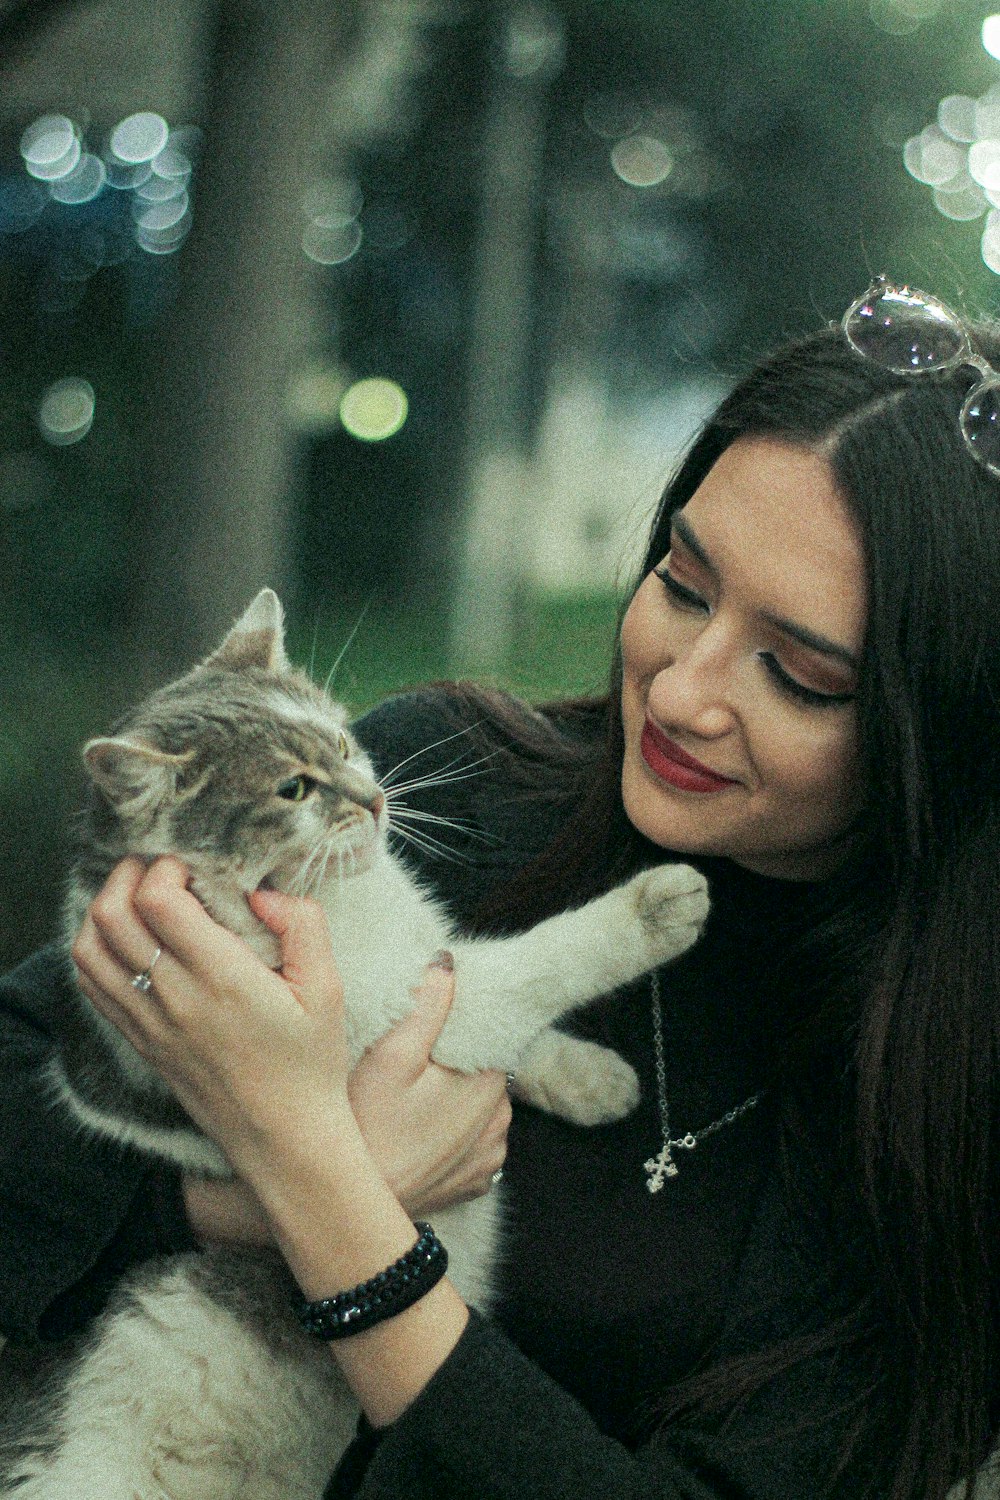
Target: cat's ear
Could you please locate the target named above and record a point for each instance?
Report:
(129, 772)
(256, 640)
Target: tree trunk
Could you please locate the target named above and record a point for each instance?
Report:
(212, 522)
(490, 569)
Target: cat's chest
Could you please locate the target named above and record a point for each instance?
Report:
(384, 930)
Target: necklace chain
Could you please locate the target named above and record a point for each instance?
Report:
(662, 1166)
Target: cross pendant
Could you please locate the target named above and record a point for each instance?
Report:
(660, 1167)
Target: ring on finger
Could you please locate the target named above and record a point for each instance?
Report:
(497, 1177)
(143, 981)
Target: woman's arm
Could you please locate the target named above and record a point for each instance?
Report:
(75, 1211)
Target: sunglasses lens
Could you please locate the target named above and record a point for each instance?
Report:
(980, 421)
(904, 331)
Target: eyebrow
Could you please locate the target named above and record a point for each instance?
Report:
(810, 638)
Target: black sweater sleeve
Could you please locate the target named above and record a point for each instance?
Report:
(490, 1425)
(75, 1212)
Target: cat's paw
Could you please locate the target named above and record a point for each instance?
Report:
(672, 904)
(577, 1080)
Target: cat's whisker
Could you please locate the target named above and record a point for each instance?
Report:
(460, 825)
(440, 778)
(306, 876)
(429, 844)
(312, 653)
(346, 647)
(426, 750)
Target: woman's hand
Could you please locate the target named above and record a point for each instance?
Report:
(258, 1059)
(438, 1136)
(254, 1056)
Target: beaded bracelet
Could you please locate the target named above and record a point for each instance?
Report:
(383, 1296)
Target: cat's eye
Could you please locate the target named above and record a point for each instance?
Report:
(296, 788)
(342, 744)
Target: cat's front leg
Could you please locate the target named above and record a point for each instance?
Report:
(577, 1080)
(509, 989)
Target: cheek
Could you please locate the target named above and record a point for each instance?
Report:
(642, 638)
(818, 770)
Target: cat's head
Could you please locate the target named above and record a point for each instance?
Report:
(246, 771)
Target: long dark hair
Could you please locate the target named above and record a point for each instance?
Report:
(909, 949)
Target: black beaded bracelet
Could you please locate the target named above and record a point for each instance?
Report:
(385, 1295)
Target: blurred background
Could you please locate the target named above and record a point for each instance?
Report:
(407, 308)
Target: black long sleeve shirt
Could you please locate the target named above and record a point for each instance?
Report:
(608, 1293)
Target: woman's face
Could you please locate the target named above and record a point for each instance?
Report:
(740, 654)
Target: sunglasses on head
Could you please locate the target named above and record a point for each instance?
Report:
(912, 333)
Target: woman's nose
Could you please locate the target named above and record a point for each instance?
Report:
(693, 690)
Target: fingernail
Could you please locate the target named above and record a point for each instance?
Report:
(444, 959)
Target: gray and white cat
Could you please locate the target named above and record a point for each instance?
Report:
(197, 1384)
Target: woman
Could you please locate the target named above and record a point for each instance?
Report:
(778, 1277)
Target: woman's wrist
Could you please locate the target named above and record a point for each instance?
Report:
(223, 1211)
(329, 1208)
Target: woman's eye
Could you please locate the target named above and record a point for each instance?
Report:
(342, 744)
(296, 788)
(797, 690)
(678, 591)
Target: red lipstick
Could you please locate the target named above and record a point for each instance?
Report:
(674, 765)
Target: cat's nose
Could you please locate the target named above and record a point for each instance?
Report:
(377, 805)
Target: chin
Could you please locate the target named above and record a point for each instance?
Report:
(672, 820)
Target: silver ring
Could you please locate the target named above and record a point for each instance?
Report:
(144, 982)
(509, 1082)
(497, 1177)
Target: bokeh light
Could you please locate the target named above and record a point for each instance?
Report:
(66, 411)
(314, 397)
(642, 160)
(139, 138)
(143, 159)
(958, 158)
(330, 242)
(957, 117)
(991, 35)
(50, 147)
(932, 157)
(374, 409)
(613, 115)
(333, 234)
(991, 241)
(82, 184)
(902, 17)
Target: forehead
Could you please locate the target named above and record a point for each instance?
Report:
(776, 528)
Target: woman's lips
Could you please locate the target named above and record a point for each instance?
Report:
(672, 764)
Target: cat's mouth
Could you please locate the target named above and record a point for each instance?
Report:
(352, 859)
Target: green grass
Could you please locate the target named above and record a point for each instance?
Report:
(563, 647)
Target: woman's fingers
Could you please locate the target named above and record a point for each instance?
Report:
(410, 1042)
(180, 925)
(307, 961)
(112, 1011)
(438, 1135)
(113, 920)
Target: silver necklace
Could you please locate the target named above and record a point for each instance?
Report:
(662, 1166)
